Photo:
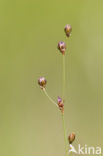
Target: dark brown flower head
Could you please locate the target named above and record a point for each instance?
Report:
(71, 138)
(42, 82)
(68, 30)
(60, 104)
(62, 47)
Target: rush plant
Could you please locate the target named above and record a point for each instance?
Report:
(60, 100)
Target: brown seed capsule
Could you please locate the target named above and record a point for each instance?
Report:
(68, 30)
(42, 82)
(60, 104)
(71, 138)
(62, 47)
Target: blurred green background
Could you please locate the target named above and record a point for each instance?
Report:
(29, 32)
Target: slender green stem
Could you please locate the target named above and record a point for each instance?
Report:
(63, 94)
(65, 138)
(49, 97)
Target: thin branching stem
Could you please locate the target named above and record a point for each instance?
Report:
(49, 97)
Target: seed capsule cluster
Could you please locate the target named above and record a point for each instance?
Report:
(62, 47)
(71, 138)
(42, 82)
(68, 30)
(60, 104)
